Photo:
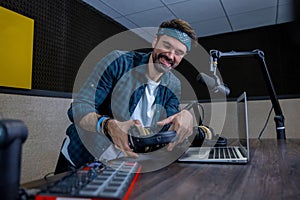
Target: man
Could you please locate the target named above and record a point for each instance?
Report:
(127, 89)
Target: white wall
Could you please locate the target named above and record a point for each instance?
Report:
(46, 119)
(258, 112)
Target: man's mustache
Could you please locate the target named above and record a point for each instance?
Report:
(166, 58)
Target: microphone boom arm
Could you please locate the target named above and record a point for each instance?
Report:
(279, 118)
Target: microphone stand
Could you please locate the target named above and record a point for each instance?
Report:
(279, 118)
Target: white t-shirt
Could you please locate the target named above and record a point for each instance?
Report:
(145, 109)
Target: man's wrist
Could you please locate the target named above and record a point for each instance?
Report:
(100, 122)
(105, 128)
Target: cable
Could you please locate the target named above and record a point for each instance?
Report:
(47, 175)
(191, 105)
(202, 109)
(261, 132)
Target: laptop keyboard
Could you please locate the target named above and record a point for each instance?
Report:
(224, 153)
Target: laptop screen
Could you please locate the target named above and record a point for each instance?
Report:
(242, 122)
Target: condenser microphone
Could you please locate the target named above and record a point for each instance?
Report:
(212, 84)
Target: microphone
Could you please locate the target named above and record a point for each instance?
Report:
(212, 84)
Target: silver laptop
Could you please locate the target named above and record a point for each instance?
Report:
(229, 154)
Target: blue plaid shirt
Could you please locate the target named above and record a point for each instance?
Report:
(114, 89)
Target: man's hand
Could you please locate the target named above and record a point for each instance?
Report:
(118, 131)
(182, 123)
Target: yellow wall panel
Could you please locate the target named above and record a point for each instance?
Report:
(16, 46)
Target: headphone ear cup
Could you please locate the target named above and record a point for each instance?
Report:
(207, 131)
(199, 137)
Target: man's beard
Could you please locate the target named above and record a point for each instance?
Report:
(160, 67)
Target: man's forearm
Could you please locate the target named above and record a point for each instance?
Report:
(89, 122)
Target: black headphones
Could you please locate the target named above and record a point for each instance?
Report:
(144, 144)
(205, 134)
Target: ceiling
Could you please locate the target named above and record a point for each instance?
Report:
(207, 17)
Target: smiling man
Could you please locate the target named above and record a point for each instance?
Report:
(130, 88)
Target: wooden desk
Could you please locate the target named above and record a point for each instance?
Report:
(273, 173)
